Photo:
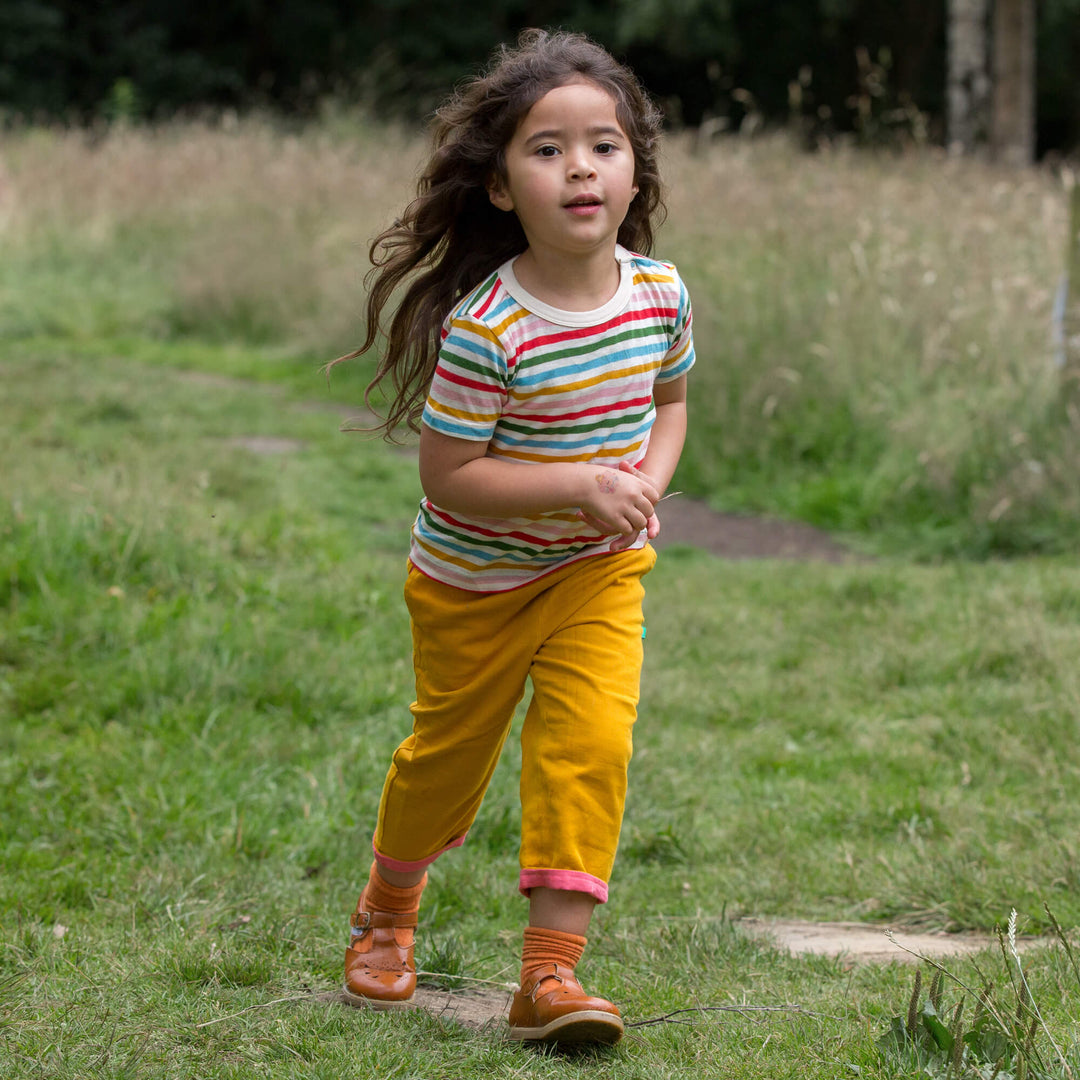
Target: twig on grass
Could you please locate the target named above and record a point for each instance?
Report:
(502, 985)
(260, 1005)
(667, 1018)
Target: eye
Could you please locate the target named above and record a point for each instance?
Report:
(605, 148)
(547, 151)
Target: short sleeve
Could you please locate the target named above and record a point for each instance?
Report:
(680, 356)
(469, 389)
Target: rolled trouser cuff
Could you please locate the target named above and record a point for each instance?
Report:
(405, 866)
(568, 880)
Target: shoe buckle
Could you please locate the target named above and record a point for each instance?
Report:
(361, 923)
(543, 979)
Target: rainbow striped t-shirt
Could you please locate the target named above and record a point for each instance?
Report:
(539, 384)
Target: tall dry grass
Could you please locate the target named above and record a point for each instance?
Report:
(874, 331)
(246, 229)
(886, 322)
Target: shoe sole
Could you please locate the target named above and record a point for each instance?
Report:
(588, 1026)
(382, 1004)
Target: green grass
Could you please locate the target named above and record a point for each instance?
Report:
(204, 654)
(203, 670)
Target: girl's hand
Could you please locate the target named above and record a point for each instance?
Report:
(624, 504)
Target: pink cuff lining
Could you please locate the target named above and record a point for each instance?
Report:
(419, 864)
(570, 880)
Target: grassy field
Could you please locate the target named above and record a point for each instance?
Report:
(204, 653)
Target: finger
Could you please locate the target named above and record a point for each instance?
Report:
(626, 467)
(646, 507)
(649, 491)
(596, 524)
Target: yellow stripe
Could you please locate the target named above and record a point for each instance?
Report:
(441, 556)
(608, 452)
(512, 318)
(665, 279)
(585, 384)
(477, 329)
(461, 414)
(472, 325)
(673, 359)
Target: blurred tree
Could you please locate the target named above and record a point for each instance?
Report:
(1012, 117)
(968, 76)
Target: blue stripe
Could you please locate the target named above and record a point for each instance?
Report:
(475, 344)
(515, 551)
(481, 432)
(669, 373)
(535, 372)
(440, 543)
(508, 303)
(609, 438)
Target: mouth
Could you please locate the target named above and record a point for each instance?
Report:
(584, 204)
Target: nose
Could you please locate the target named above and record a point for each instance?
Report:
(579, 166)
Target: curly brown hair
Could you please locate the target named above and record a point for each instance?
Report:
(450, 237)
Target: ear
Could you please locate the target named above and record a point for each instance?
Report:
(499, 196)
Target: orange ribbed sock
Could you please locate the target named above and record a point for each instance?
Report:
(543, 946)
(380, 895)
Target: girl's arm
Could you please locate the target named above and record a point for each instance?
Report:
(457, 475)
(668, 433)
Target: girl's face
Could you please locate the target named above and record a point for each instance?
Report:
(569, 172)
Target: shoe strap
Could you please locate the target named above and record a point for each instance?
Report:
(548, 971)
(362, 921)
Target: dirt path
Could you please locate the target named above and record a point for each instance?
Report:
(865, 943)
(684, 520)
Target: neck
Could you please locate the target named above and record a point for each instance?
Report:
(578, 284)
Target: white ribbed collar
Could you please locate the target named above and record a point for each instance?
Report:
(573, 318)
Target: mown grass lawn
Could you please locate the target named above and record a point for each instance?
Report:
(204, 667)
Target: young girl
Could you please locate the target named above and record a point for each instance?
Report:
(543, 357)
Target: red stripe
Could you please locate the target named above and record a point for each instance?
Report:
(481, 311)
(625, 318)
(596, 410)
(527, 537)
(472, 384)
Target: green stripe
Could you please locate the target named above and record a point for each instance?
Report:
(517, 547)
(588, 423)
(603, 343)
(473, 367)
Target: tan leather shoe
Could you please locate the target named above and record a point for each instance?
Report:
(379, 968)
(552, 1007)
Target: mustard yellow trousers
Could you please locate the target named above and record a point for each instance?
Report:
(576, 635)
